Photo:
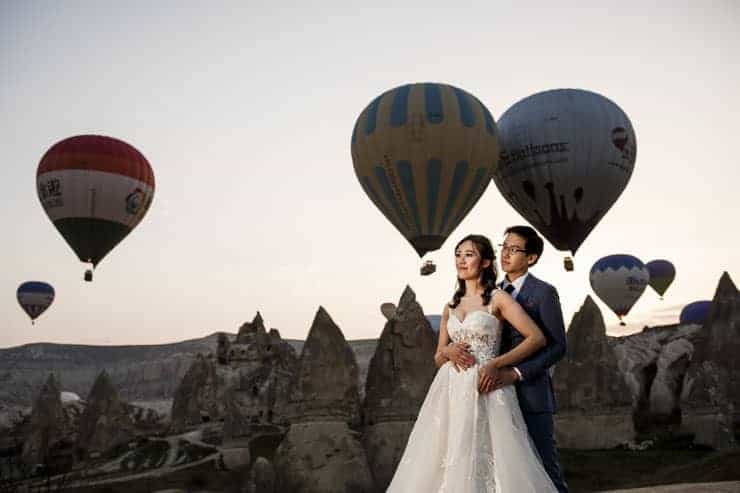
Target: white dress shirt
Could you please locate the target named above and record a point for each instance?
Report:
(518, 283)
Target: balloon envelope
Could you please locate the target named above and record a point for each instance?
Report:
(619, 280)
(95, 190)
(35, 297)
(662, 273)
(434, 321)
(424, 154)
(695, 313)
(566, 156)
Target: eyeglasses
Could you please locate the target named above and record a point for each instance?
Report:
(512, 250)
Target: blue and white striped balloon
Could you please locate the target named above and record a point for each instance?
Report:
(424, 154)
(619, 281)
(35, 297)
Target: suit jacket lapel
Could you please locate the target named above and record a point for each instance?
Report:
(526, 292)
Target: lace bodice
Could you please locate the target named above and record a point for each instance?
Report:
(481, 330)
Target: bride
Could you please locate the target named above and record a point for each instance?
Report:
(466, 438)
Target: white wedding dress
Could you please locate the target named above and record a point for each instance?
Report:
(463, 441)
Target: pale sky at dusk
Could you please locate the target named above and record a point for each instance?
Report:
(245, 112)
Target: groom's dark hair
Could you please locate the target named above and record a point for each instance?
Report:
(533, 243)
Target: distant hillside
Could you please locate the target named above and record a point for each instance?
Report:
(141, 373)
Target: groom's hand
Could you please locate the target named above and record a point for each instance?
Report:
(487, 375)
(506, 376)
(459, 354)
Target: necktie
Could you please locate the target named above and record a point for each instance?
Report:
(509, 289)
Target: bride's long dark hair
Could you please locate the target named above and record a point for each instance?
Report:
(488, 274)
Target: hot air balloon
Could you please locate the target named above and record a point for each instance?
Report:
(95, 190)
(35, 297)
(662, 274)
(424, 154)
(434, 321)
(566, 156)
(428, 268)
(695, 313)
(619, 280)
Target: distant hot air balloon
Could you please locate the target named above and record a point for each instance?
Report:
(35, 297)
(662, 274)
(424, 154)
(434, 321)
(695, 313)
(95, 190)
(566, 156)
(619, 280)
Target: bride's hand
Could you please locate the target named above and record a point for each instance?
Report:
(459, 354)
(487, 377)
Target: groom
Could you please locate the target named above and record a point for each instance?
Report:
(521, 250)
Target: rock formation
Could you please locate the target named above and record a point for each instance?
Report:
(200, 396)
(590, 391)
(107, 421)
(399, 376)
(247, 385)
(49, 435)
(320, 453)
(711, 401)
(261, 477)
(222, 349)
(326, 385)
(263, 368)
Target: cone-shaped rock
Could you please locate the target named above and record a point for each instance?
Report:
(398, 378)
(326, 383)
(106, 421)
(591, 393)
(588, 377)
(320, 453)
(253, 331)
(199, 397)
(712, 393)
(44, 429)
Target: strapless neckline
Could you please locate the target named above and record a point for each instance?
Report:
(468, 315)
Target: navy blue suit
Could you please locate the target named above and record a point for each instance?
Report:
(536, 397)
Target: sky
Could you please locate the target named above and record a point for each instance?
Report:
(245, 112)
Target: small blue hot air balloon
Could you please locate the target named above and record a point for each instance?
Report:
(695, 313)
(662, 274)
(619, 280)
(35, 297)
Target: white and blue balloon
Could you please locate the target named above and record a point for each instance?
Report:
(35, 297)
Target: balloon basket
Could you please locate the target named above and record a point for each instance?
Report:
(88, 275)
(428, 268)
(568, 264)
